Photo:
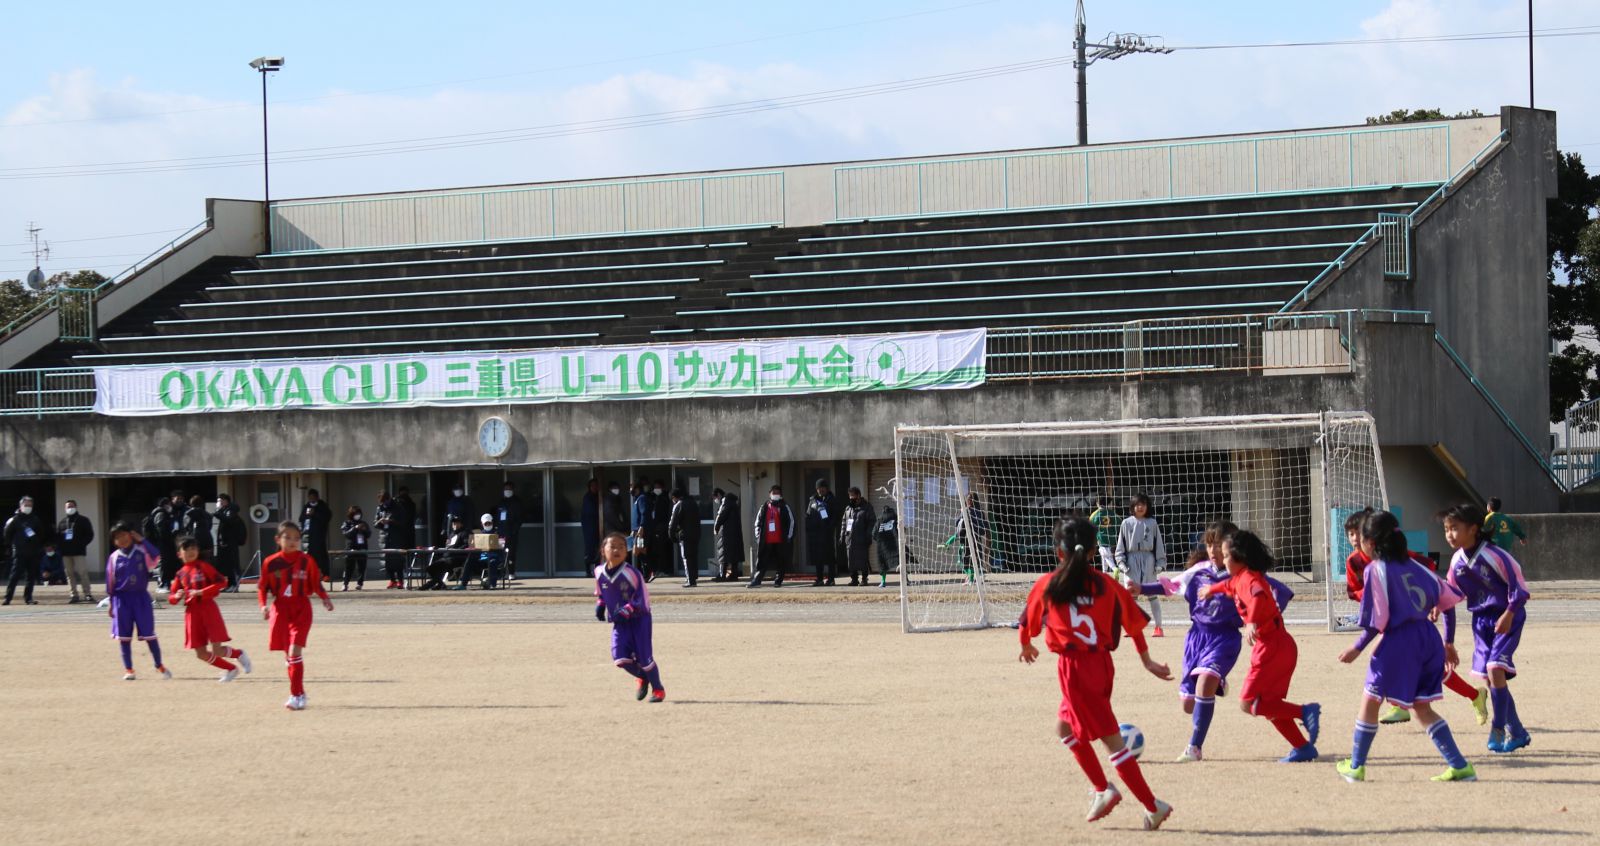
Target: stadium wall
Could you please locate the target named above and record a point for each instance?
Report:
(1560, 546)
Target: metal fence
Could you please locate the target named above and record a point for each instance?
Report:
(1270, 164)
(1395, 229)
(522, 214)
(1577, 462)
(61, 390)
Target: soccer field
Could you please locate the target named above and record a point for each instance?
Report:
(500, 720)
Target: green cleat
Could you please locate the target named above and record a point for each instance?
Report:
(1466, 773)
(1349, 773)
(1480, 706)
(1396, 714)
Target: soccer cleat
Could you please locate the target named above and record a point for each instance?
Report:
(1300, 755)
(1351, 774)
(165, 673)
(228, 675)
(1101, 802)
(658, 695)
(1190, 755)
(1154, 819)
(1396, 714)
(244, 661)
(1159, 633)
(129, 676)
(1480, 706)
(294, 704)
(1311, 718)
(1514, 742)
(1466, 773)
(643, 691)
(1497, 741)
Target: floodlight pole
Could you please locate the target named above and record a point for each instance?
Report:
(266, 65)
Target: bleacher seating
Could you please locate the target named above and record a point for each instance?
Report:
(1061, 266)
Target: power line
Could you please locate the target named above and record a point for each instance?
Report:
(1499, 35)
(103, 237)
(505, 136)
(533, 72)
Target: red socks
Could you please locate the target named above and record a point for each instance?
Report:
(1290, 732)
(1128, 770)
(220, 663)
(1459, 685)
(1088, 761)
(1277, 709)
(297, 677)
(234, 653)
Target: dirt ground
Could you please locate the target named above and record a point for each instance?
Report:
(801, 726)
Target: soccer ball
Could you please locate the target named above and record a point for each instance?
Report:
(1132, 738)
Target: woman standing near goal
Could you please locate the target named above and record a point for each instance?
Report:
(1141, 553)
(1082, 613)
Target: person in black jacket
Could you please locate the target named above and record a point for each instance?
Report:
(774, 530)
(401, 532)
(727, 535)
(613, 510)
(888, 538)
(232, 534)
(822, 533)
(509, 525)
(683, 527)
(25, 536)
(160, 528)
(73, 535)
(658, 549)
(315, 518)
(856, 527)
(197, 523)
(452, 555)
(356, 531)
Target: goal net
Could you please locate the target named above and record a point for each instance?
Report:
(978, 504)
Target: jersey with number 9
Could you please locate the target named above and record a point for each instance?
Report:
(1093, 624)
(1399, 592)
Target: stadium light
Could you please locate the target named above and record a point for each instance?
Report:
(1117, 45)
(266, 65)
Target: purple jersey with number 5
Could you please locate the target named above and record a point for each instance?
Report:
(1399, 592)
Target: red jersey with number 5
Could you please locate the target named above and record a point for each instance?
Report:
(1094, 623)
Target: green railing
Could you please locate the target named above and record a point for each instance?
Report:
(620, 207)
(1494, 405)
(1232, 167)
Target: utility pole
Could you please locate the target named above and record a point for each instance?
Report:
(1116, 46)
(1530, 54)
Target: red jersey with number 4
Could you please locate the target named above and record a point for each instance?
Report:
(290, 578)
(1093, 624)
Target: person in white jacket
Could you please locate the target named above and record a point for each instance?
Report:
(1141, 554)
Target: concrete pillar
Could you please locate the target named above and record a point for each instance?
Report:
(90, 496)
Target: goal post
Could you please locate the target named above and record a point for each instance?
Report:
(978, 503)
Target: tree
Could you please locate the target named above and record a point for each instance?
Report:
(1573, 279)
(16, 300)
(1413, 115)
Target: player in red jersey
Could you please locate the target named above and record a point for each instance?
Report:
(290, 576)
(196, 586)
(1354, 573)
(1273, 653)
(1082, 613)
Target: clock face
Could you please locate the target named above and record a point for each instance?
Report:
(494, 437)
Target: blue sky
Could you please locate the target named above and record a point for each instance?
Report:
(113, 82)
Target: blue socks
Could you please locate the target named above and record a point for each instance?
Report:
(653, 675)
(155, 651)
(1365, 734)
(632, 669)
(1204, 708)
(1445, 742)
(1505, 712)
(127, 655)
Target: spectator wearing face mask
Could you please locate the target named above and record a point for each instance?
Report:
(642, 509)
(197, 524)
(161, 527)
(356, 531)
(231, 536)
(774, 530)
(73, 535)
(683, 526)
(25, 536)
(727, 533)
(613, 510)
(315, 518)
(659, 551)
(458, 505)
(509, 524)
(856, 526)
(822, 533)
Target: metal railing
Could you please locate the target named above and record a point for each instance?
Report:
(1494, 405)
(521, 214)
(1577, 462)
(1263, 165)
(1395, 230)
(78, 320)
(36, 393)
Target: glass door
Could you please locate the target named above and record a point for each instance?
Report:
(567, 488)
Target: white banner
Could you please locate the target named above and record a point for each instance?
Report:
(769, 367)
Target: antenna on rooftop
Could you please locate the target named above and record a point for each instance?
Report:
(1117, 45)
(41, 254)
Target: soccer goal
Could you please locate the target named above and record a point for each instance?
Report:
(978, 503)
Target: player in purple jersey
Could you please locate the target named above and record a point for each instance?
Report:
(1212, 646)
(128, 589)
(1399, 600)
(621, 596)
(1496, 593)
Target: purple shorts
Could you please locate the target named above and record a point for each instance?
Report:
(1495, 650)
(630, 641)
(1408, 665)
(132, 613)
(1207, 651)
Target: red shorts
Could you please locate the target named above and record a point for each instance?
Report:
(1272, 662)
(287, 629)
(1086, 681)
(203, 626)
